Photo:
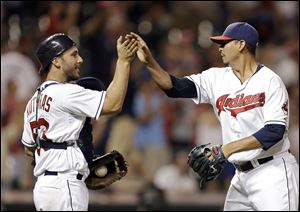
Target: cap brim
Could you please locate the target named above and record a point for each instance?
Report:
(220, 39)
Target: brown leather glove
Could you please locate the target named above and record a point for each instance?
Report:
(112, 162)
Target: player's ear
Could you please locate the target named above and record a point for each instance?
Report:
(242, 45)
(56, 62)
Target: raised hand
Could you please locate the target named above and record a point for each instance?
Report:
(143, 52)
(127, 48)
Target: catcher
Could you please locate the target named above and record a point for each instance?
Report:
(57, 125)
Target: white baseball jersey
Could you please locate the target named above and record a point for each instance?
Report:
(244, 108)
(62, 111)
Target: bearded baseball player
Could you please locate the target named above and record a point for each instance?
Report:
(57, 129)
(251, 103)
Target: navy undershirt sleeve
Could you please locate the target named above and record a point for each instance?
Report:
(182, 88)
(269, 135)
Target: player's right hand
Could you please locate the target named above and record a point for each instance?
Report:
(126, 48)
(143, 52)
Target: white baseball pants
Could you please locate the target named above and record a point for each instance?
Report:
(60, 193)
(273, 186)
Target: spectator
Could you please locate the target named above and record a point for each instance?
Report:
(19, 69)
(176, 176)
(152, 199)
(150, 137)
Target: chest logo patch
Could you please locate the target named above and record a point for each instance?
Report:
(240, 103)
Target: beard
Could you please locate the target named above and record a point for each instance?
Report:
(71, 74)
(71, 71)
(72, 78)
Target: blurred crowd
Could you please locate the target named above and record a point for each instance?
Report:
(154, 132)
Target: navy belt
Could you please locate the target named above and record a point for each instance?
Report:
(48, 144)
(78, 176)
(248, 165)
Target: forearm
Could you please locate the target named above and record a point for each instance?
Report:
(117, 89)
(244, 144)
(159, 75)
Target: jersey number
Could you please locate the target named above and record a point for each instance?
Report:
(41, 129)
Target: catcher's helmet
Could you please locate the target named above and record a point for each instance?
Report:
(52, 47)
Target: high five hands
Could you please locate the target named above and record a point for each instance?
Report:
(143, 51)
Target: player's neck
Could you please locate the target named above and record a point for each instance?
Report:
(55, 76)
(245, 67)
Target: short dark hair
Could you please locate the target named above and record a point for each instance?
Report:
(251, 49)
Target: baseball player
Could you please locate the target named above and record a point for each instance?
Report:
(251, 103)
(55, 115)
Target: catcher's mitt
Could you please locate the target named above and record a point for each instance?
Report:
(112, 162)
(207, 161)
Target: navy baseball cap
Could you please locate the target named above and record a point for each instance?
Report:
(238, 31)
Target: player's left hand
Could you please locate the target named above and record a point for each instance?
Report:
(207, 161)
(115, 165)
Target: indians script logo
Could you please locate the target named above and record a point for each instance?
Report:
(240, 103)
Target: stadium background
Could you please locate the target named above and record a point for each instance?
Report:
(178, 34)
